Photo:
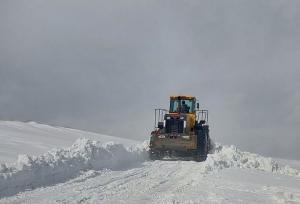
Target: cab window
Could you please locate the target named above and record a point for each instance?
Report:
(174, 106)
(182, 106)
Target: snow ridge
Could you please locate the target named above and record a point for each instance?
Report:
(59, 165)
(231, 157)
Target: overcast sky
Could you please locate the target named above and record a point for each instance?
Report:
(104, 66)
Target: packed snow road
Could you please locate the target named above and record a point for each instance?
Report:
(168, 182)
(98, 172)
(91, 172)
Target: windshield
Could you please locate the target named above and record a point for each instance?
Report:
(182, 106)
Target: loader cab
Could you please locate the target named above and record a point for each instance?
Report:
(182, 104)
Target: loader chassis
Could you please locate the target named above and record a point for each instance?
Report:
(180, 131)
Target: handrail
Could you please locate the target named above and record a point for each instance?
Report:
(202, 115)
(159, 116)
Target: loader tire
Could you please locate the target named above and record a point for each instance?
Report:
(203, 144)
(199, 157)
(156, 155)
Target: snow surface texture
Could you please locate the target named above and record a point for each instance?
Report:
(60, 165)
(230, 156)
(35, 139)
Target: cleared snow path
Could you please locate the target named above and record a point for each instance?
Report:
(168, 182)
(111, 173)
(100, 172)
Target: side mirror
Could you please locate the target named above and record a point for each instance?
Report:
(198, 106)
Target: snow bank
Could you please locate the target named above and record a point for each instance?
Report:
(35, 139)
(231, 157)
(59, 165)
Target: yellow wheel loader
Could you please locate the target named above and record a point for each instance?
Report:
(181, 131)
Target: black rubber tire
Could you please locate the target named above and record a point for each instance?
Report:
(155, 155)
(199, 156)
(203, 143)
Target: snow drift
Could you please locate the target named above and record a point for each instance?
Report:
(231, 157)
(59, 165)
(35, 139)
